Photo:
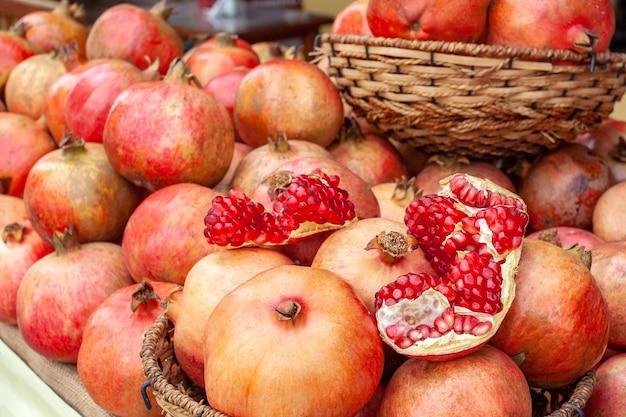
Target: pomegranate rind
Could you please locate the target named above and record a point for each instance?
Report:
(451, 344)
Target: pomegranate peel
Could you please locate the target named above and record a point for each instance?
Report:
(303, 205)
(471, 232)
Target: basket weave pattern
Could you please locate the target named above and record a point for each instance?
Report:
(473, 99)
(179, 398)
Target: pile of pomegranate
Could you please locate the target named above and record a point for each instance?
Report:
(309, 264)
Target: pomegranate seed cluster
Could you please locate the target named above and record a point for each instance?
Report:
(236, 220)
(467, 234)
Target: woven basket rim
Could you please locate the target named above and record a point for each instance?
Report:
(173, 401)
(473, 49)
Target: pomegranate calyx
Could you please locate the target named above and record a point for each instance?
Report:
(13, 230)
(288, 310)
(143, 294)
(392, 245)
(5, 184)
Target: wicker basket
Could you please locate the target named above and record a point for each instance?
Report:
(473, 99)
(179, 398)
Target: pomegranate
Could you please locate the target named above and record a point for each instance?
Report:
(563, 186)
(394, 197)
(189, 137)
(368, 155)
(471, 233)
(263, 160)
(167, 252)
(77, 185)
(428, 19)
(22, 142)
(14, 48)
(54, 29)
(29, 82)
(113, 335)
(208, 281)
(607, 398)
(608, 267)
(609, 140)
(59, 292)
(582, 26)
(566, 236)
(87, 104)
(21, 246)
(352, 20)
(224, 87)
(12, 210)
(220, 56)
(558, 324)
(608, 220)
(484, 383)
(240, 151)
(312, 348)
(153, 39)
(440, 166)
(291, 87)
(359, 193)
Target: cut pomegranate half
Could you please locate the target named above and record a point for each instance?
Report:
(303, 206)
(471, 232)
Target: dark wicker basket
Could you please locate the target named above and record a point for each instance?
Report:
(473, 99)
(178, 397)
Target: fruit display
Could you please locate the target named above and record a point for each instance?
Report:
(216, 231)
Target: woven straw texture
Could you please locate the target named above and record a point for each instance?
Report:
(179, 398)
(473, 99)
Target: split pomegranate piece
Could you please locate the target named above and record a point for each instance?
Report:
(471, 232)
(303, 205)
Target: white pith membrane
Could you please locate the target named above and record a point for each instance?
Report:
(431, 303)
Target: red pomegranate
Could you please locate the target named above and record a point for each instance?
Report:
(77, 186)
(191, 140)
(582, 26)
(394, 197)
(293, 87)
(29, 82)
(370, 156)
(59, 292)
(13, 50)
(558, 324)
(484, 383)
(565, 236)
(21, 247)
(263, 160)
(608, 267)
(22, 142)
(352, 20)
(471, 233)
(208, 281)
(607, 398)
(240, 151)
(440, 166)
(224, 86)
(53, 29)
(563, 186)
(167, 252)
(87, 104)
(608, 220)
(609, 140)
(113, 335)
(312, 343)
(218, 57)
(153, 39)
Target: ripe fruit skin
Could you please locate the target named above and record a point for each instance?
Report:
(59, 292)
(108, 363)
(559, 320)
(11, 210)
(428, 19)
(607, 398)
(484, 383)
(77, 185)
(290, 97)
(565, 236)
(580, 25)
(352, 19)
(168, 251)
(160, 133)
(152, 37)
(22, 142)
(207, 282)
(608, 220)
(13, 50)
(312, 348)
(563, 186)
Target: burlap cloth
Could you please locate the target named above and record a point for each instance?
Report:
(61, 377)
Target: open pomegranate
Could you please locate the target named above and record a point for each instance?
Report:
(471, 232)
